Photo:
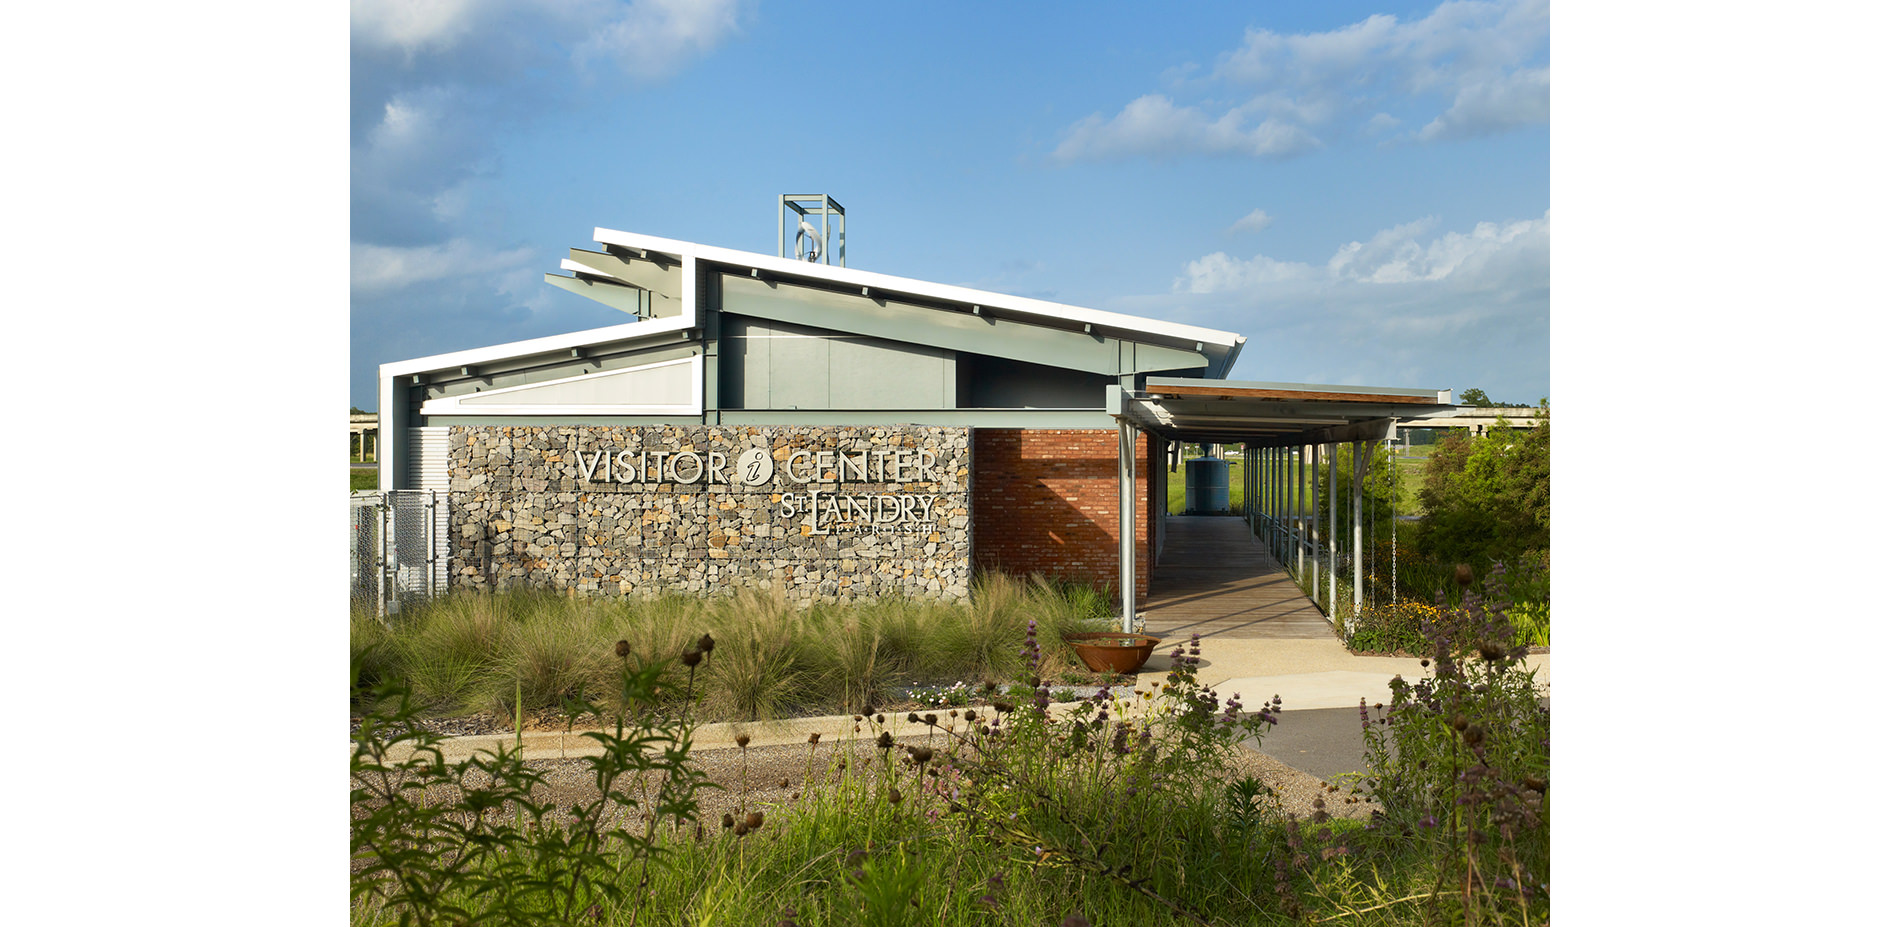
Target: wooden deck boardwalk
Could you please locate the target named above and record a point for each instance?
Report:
(1215, 579)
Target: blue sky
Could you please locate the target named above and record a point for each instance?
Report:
(1363, 190)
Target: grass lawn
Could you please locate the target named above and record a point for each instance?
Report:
(362, 479)
(1411, 477)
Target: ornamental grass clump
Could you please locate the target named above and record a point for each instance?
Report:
(469, 653)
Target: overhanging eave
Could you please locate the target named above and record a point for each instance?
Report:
(881, 316)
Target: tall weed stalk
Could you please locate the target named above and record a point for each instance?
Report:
(438, 843)
(1459, 764)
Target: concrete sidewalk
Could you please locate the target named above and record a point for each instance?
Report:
(1306, 674)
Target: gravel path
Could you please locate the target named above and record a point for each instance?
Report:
(774, 778)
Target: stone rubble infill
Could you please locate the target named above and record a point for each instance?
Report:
(533, 506)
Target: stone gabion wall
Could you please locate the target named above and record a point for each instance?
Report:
(845, 512)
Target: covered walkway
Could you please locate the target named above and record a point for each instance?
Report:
(1222, 581)
(1215, 579)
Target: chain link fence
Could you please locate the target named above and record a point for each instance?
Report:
(398, 549)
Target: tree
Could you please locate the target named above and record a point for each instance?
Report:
(1380, 491)
(1488, 498)
(1475, 397)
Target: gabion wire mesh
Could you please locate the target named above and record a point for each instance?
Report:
(396, 548)
(366, 532)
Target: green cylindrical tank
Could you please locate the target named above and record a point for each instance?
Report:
(1207, 484)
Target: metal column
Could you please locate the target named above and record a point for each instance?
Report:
(429, 565)
(1292, 513)
(1126, 446)
(1299, 508)
(1312, 516)
(1279, 506)
(1358, 519)
(384, 523)
(1266, 501)
(1332, 530)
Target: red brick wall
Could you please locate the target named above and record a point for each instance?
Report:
(1046, 502)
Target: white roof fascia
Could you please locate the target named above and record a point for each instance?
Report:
(1164, 382)
(939, 291)
(686, 320)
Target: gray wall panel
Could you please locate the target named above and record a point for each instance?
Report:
(777, 365)
(799, 372)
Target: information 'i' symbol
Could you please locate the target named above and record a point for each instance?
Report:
(755, 466)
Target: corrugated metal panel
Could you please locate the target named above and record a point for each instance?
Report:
(429, 470)
(429, 458)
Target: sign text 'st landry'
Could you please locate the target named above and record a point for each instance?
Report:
(823, 512)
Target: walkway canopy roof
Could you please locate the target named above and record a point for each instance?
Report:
(1273, 414)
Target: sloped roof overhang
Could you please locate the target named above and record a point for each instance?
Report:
(1272, 414)
(880, 305)
(903, 309)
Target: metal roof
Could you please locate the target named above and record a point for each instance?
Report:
(667, 271)
(1224, 346)
(1273, 414)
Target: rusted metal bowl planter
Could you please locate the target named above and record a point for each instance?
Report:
(1112, 651)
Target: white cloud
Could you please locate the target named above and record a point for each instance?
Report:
(1381, 123)
(1395, 255)
(435, 84)
(412, 130)
(1218, 273)
(1494, 105)
(655, 37)
(1268, 57)
(413, 25)
(1466, 68)
(377, 270)
(1152, 125)
(1251, 222)
(1406, 306)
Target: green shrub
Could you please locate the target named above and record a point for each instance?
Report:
(1396, 627)
(1487, 499)
(1531, 623)
(433, 842)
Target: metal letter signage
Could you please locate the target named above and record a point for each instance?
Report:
(821, 511)
(755, 466)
